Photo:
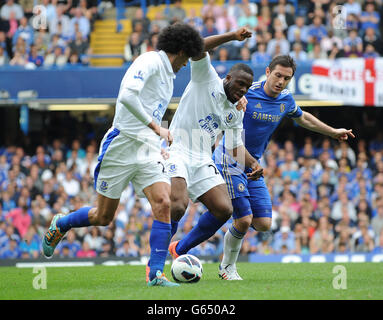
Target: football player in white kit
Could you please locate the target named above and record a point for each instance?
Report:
(130, 150)
(207, 107)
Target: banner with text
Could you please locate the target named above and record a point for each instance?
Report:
(354, 81)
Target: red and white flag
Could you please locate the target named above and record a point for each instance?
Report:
(352, 81)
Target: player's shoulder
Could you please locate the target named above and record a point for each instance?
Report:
(286, 95)
(256, 85)
(149, 59)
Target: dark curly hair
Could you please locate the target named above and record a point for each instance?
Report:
(180, 36)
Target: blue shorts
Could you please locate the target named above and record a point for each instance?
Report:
(248, 196)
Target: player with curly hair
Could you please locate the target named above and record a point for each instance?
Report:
(130, 150)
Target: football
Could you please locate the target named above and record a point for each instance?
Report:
(187, 268)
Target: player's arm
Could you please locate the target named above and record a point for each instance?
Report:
(234, 146)
(243, 157)
(310, 122)
(217, 40)
(129, 98)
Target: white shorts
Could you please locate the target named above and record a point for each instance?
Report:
(200, 177)
(122, 160)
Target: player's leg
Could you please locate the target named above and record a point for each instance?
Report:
(179, 200)
(158, 195)
(242, 218)
(102, 215)
(219, 206)
(261, 205)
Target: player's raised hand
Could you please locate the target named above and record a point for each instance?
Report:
(256, 173)
(242, 34)
(242, 103)
(342, 134)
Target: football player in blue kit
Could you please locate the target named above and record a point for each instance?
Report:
(268, 103)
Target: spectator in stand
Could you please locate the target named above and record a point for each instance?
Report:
(298, 32)
(175, 13)
(298, 54)
(377, 221)
(140, 18)
(379, 244)
(30, 246)
(353, 7)
(127, 251)
(159, 22)
(284, 237)
(343, 204)
(225, 22)
(9, 7)
(245, 54)
(233, 9)
(82, 22)
(4, 60)
(86, 251)
(209, 28)
(134, 47)
(56, 58)
(370, 37)
(322, 240)
(79, 45)
(369, 18)
(285, 17)
(211, 9)
(280, 41)
(11, 250)
(62, 20)
(24, 31)
(342, 241)
(34, 57)
(94, 239)
(260, 57)
(20, 218)
(13, 24)
(316, 31)
(70, 184)
(247, 19)
(327, 43)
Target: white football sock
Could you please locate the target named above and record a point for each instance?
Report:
(231, 246)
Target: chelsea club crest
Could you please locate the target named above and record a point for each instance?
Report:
(282, 107)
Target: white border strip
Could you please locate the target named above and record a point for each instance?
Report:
(54, 264)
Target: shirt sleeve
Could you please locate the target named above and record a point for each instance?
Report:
(294, 111)
(139, 72)
(202, 70)
(233, 129)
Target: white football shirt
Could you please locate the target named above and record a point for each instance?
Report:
(203, 112)
(151, 75)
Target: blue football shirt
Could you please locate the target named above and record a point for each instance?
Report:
(263, 115)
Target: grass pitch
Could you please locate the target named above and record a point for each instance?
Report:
(266, 281)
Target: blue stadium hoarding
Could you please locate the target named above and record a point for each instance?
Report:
(104, 83)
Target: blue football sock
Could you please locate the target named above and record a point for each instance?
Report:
(206, 227)
(174, 228)
(159, 243)
(74, 219)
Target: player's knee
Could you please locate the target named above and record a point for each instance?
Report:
(262, 225)
(243, 224)
(161, 205)
(177, 209)
(104, 219)
(223, 211)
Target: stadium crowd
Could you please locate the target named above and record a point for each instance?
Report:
(327, 197)
(315, 29)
